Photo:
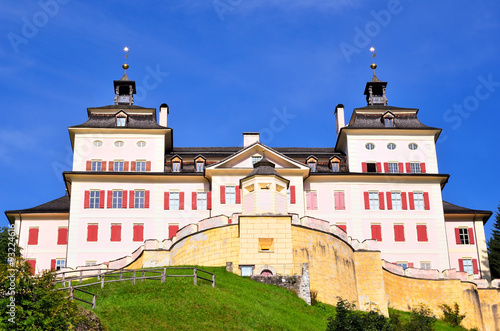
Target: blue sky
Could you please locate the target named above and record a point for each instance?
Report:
(229, 66)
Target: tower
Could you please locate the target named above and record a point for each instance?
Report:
(124, 88)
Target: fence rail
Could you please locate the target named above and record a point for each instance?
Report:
(68, 277)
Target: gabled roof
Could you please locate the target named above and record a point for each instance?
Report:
(60, 205)
(450, 208)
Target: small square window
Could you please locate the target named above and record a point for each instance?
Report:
(246, 270)
(371, 167)
(60, 263)
(266, 244)
(425, 265)
(90, 263)
(464, 236)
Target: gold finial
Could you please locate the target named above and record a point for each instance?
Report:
(373, 65)
(125, 65)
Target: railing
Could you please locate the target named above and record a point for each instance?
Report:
(137, 274)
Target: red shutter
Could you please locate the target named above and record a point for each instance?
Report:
(343, 227)
(111, 166)
(86, 200)
(410, 264)
(342, 200)
(103, 166)
(124, 199)
(339, 201)
(379, 167)
(399, 232)
(110, 199)
(194, 195)
(364, 167)
(172, 231)
(461, 264)
(367, 200)
(33, 236)
(131, 199)
(138, 232)
(412, 202)
(314, 200)
(53, 264)
(427, 206)
(209, 200)
(89, 165)
(101, 198)
(181, 200)
(146, 199)
(422, 167)
(381, 200)
(376, 232)
(421, 232)
(457, 236)
(403, 200)
(166, 201)
(148, 165)
(125, 166)
(62, 236)
(238, 194)
(32, 264)
(222, 194)
(386, 166)
(401, 167)
(132, 165)
(408, 167)
(116, 232)
(92, 230)
(292, 194)
(474, 266)
(471, 236)
(389, 200)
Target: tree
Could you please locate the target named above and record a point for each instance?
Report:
(494, 247)
(8, 244)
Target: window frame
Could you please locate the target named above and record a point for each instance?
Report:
(421, 202)
(372, 197)
(140, 165)
(200, 166)
(464, 237)
(424, 264)
(139, 199)
(467, 267)
(94, 199)
(397, 204)
(121, 121)
(96, 165)
(230, 194)
(202, 200)
(370, 146)
(117, 199)
(174, 198)
(176, 166)
(119, 165)
(391, 146)
(415, 168)
(58, 261)
(393, 167)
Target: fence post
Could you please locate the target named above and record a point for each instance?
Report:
(194, 276)
(213, 280)
(99, 274)
(164, 275)
(71, 293)
(133, 277)
(143, 273)
(93, 301)
(81, 275)
(102, 281)
(121, 274)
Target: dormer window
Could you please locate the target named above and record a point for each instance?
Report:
(335, 164)
(311, 163)
(199, 163)
(176, 164)
(121, 118)
(388, 120)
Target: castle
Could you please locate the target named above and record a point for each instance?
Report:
(370, 205)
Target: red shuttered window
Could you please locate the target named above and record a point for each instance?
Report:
(376, 232)
(138, 232)
(148, 165)
(312, 200)
(339, 200)
(86, 201)
(172, 231)
(401, 168)
(62, 236)
(116, 232)
(92, 230)
(379, 167)
(422, 232)
(32, 264)
(131, 199)
(33, 236)
(399, 232)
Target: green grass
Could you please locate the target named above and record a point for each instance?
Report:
(439, 325)
(236, 303)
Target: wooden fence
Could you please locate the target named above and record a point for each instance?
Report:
(120, 275)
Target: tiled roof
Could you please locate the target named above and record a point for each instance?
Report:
(450, 208)
(375, 121)
(60, 205)
(109, 121)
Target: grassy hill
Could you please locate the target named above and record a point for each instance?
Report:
(236, 303)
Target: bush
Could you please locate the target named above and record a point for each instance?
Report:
(422, 319)
(314, 298)
(348, 319)
(452, 315)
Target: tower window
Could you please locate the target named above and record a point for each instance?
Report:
(389, 122)
(200, 165)
(391, 146)
(176, 166)
(370, 146)
(412, 146)
(120, 121)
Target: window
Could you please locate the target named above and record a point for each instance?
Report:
(422, 232)
(415, 167)
(391, 146)
(32, 264)
(117, 199)
(312, 200)
(118, 165)
(266, 244)
(389, 121)
(60, 263)
(33, 236)
(139, 198)
(403, 264)
(200, 166)
(176, 166)
(425, 265)
(393, 167)
(92, 230)
(342, 226)
(396, 201)
(201, 200)
(371, 167)
(312, 165)
(399, 232)
(256, 158)
(246, 270)
(116, 232)
(370, 146)
(138, 232)
(94, 201)
(141, 144)
(465, 236)
(339, 200)
(97, 143)
(96, 166)
(172, 230)
(120, 121)
(62, 236)
(230, 194)
(174, 201)
(119, 143)
(376, 232)
(418, 198)
(467, 266)
(140, 165)
(373, 200)
(412, 146)
(335, 165)
(90, 263)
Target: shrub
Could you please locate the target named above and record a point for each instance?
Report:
(314, 297)
(422, 319)
(452, 315)
(347, 319)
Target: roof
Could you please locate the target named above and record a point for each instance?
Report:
(109, 121)
(374, 121)
(60, 205)
(450, 208)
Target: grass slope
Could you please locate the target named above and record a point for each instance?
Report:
(236, 303)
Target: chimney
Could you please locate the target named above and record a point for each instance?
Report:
(163, 114)
(339, 115)
(250, 138)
